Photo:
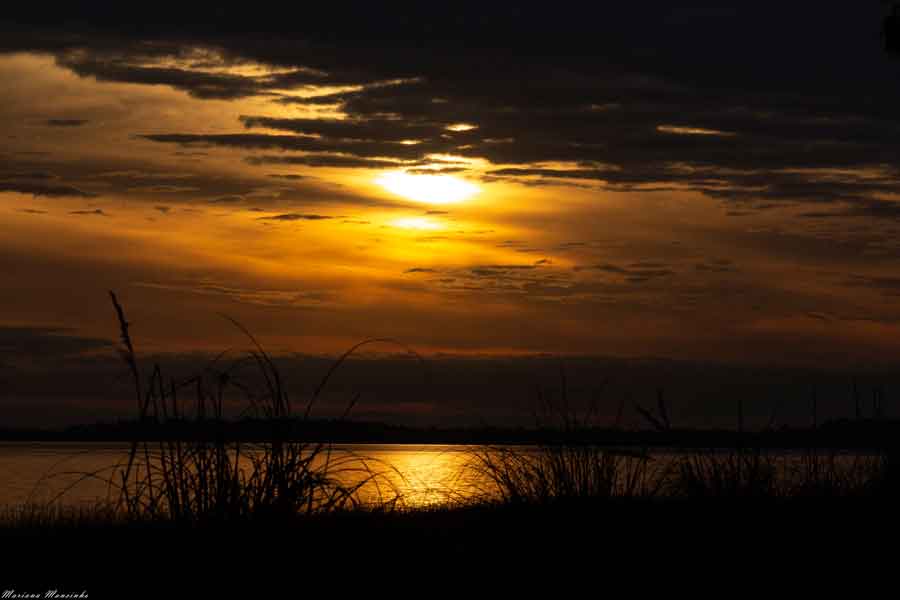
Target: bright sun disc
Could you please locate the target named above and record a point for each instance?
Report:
(418, 223)
(432, 189)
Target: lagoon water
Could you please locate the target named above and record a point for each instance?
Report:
(78, 473)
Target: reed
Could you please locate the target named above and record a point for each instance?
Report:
(568, 468)
(222, 479)
(573, 468)
(740, 473)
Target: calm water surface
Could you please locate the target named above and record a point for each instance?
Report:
(77, 472)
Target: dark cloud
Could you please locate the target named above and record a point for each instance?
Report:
(717, 266)
(321, 160)
(195, 66)
(38, 175)
(66, 122)
(293, 298)
(536, 282)
(874, 208)
(497, 271)
(785, 157)
(42, 188)
(137, 180)
(507, 267)
(30, 343)
(635, 273)
(887, 285)
(608, 268)
(437, 171)
(197, 83)
(818, 214)
(295, 217)
(363, 148)
(232, 199)
(386, 130)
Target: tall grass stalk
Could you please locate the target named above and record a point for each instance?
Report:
(569, 467)
(217, 478)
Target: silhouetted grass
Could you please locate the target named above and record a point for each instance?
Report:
(224, 479)
(573, 469)
(733, 474)
(567, 472)
(566, 469)
(564, 472)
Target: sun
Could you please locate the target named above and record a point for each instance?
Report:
(431, 189)
(418, 223)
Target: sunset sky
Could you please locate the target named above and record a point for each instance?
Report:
(711, 183)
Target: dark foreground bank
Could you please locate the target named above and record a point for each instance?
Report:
(604, 544)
